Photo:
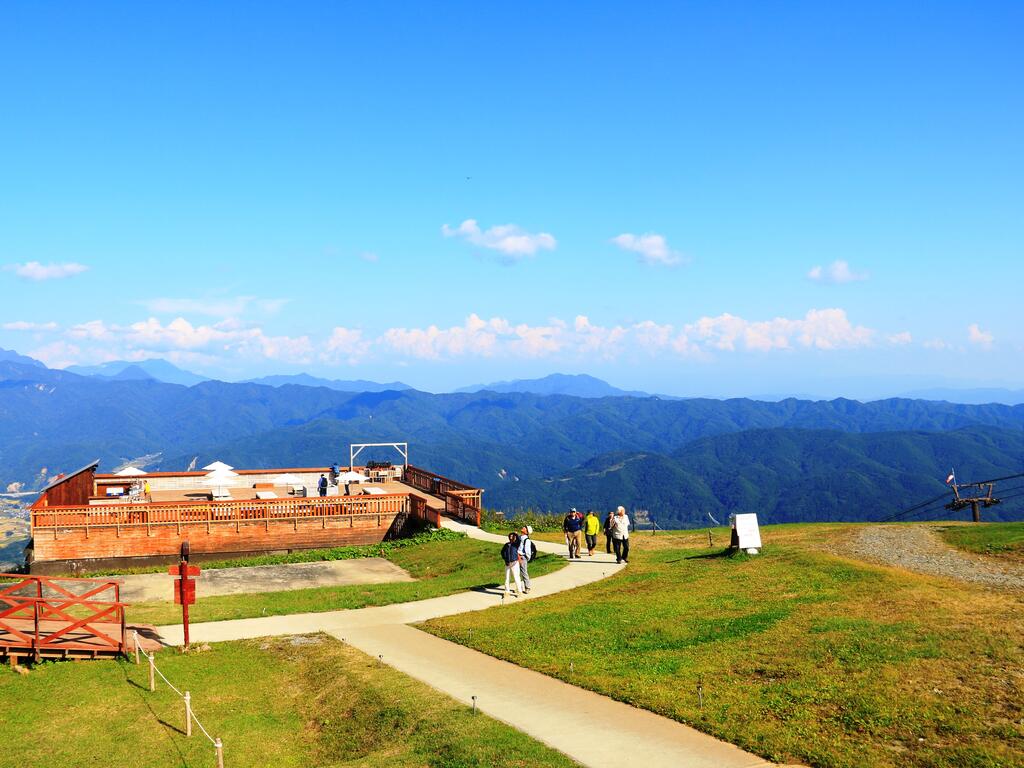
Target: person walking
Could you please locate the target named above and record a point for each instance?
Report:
(591, 525)
(510, 554)
(572, 526)
(620, 535)
(527, 551)
(322, 485)
(608, 533)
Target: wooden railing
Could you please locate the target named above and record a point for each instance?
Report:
(460, 500)
(44, 615)
(420, 510)
(206, 513)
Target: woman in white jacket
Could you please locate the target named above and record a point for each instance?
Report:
(620, 535)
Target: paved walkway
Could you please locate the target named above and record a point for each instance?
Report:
(558, 714)
(267, 578)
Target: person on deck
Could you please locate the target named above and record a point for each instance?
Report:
(334, 473)
(591, 525)
(572, 526)
(510, 554)
(322, 485)
(608, 533)
(620, 535)
(527, 550)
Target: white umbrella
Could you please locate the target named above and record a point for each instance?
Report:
(217, 465)
(352, 477)
(130, 472)
(221, 478)
(287, 479)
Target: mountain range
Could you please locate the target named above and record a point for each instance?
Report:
(576, 385)
(679, 459)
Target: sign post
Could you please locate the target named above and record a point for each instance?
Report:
(184, 585)
(745, 533)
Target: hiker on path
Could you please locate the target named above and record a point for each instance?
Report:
(322, 485)
(591, 525)
(510, 554)
(527, 551)
(620, 535)
(572, 525)
(608, 533)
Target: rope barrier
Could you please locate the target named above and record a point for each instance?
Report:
(189, 710)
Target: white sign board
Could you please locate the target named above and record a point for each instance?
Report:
(747, 531)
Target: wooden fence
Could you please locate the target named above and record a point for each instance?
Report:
(148, 514)
(460, 500)
(41, 616)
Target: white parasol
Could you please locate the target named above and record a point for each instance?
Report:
(217, 465)
(352, 477)
(220, 478)
(130, 472)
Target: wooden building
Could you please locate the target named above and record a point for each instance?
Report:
(86, 521)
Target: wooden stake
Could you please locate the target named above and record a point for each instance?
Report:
(188, 713)
(152, 673)
(217, 745)
(135, 635)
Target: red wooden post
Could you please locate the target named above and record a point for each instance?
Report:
(185, 586)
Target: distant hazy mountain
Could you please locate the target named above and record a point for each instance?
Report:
(10, 356)
(123, 370)
(577, 385)
(340, 385)
(32, 372)
(978, 396)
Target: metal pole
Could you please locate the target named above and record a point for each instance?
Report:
(152, 673)
(188, 713)
(975, 512)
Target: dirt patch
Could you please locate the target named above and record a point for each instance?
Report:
(267, 578)
(919, 548)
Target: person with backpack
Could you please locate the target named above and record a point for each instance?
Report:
(620, 535)
(322, 485)
(591, 525)
(572, 526)
(510, 554)
(527, 551)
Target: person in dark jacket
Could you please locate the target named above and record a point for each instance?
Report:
(510, 554)
(608, 533)
(322, 485)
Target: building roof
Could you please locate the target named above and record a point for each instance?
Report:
(64, 478)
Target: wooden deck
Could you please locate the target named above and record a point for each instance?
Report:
(60, 618)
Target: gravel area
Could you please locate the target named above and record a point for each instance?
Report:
(919, 548)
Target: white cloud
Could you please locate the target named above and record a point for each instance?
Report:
(837, 272)
(979, 337)
(650, 248)
(510, 240)
(23, 325)
(937, 344)
(230, 306)
(345, 345)
(230, 342)
(900, 339)
(33, 270)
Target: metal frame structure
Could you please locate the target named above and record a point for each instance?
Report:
(354, 449)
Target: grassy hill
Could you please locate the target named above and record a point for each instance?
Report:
(801, 656)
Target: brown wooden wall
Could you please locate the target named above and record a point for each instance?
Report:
(72, 491)
(162, 540)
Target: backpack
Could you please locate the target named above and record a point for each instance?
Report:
(533, 551)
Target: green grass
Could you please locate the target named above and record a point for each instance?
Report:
(1004, 539)
(440, 567)
(495, 522)
(802, 656)
(355, 552)
(282, 702)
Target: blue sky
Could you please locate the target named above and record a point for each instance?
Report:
(690, 198)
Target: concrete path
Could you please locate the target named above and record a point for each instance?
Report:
(267, 578)
(553, 712)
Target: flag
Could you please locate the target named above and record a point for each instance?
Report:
(951, 478)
